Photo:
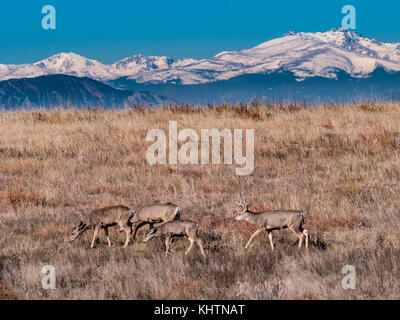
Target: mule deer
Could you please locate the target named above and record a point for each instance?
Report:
(177, 228)
(103, 219)
(274, 220)
(154, 213)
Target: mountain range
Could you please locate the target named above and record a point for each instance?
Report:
(337, 65)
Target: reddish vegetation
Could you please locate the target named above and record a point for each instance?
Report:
(6, 293)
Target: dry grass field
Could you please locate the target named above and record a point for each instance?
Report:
(340, 164)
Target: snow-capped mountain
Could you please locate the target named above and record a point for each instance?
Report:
(320, 54)
(304, 54)
(137, 63)
(76, 65)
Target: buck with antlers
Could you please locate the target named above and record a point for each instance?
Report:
(103, 219)
(154, 213)
(272, 220)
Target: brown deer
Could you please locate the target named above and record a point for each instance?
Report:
(103, 219)
(188, 229)
(274, 220)
(154, 213)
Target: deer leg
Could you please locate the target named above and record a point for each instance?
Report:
(121, 225)
(190, 247)
(252, 237)
(108, 236)
(201, 247)
(167, 241)
(305, 232)
(96, 233)
(301, 240)
(128, 235)
(299, 234)
(130, 230)
(135, 230)
(270, 239)
(137, 226)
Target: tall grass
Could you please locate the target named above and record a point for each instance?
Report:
(338, 163)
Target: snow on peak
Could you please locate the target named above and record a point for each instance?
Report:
(291, 33)
(139, 61)
(354, 42)
(72, 64)
(305, 54)
(66, 62)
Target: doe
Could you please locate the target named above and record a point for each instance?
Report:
(188, 229)
(103, 219)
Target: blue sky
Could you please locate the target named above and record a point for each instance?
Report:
(111, 30)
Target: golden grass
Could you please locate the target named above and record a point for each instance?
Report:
(338, 163)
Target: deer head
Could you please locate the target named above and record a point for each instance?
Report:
(77, 232)
(151, 234)
(244, 208)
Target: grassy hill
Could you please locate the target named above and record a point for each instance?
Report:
(338, 164)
